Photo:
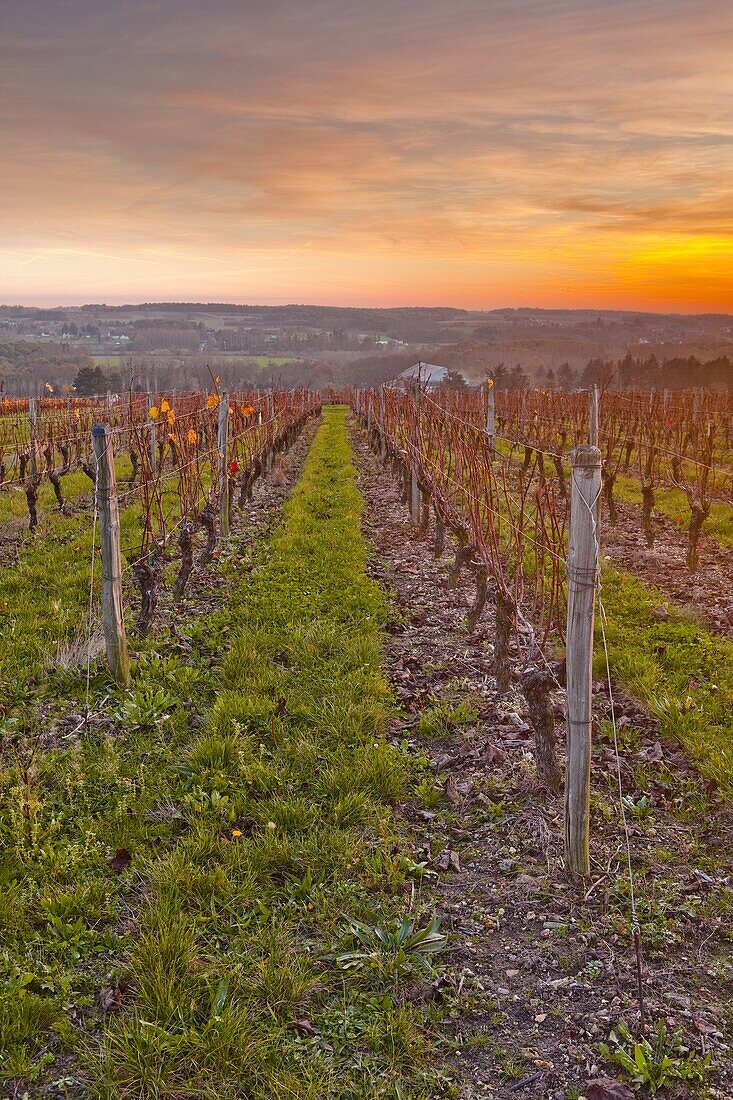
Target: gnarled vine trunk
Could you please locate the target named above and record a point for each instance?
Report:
(537, 684)
(185, 543)
(698, 514)
(147, 572)
(207, 519)
(482, 580)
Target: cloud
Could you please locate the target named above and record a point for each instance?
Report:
(465, 142)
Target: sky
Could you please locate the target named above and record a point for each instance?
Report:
(474, 153)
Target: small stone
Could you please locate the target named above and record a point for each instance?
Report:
(678, 999)
(607, 1088)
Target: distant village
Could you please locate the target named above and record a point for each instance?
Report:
(113, 348)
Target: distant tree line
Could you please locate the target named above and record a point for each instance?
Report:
(93, 380)
(32, 368)
(38, 369)
(677, 373)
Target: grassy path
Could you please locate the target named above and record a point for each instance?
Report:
(235, 984)
(181, 881)
(85, 807)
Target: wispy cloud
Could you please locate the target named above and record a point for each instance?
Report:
(476, 151)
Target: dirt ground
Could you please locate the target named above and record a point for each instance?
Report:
(541, 970)
(707, 592)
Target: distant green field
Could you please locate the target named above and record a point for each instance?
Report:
(117, 361)
(267, 360)
(257, 360)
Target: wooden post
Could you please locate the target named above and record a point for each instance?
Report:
(414, 487)
(222, 443)
(115, 639)
(369, 414)
(593, 416)
(490, 410)
(32, 432)
(582, 570)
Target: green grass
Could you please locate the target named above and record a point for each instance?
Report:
(250, 788)
(44, 585)
(44, 595)
(65, 808)
(677, 667)
(75, 484)
(268, 360)
(287, 794)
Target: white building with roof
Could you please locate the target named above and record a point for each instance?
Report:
(430, 375)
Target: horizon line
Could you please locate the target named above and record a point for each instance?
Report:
(189, 303)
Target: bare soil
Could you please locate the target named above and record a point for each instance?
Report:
(540, 970)
(707, 592)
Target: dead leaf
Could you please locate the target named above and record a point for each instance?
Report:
(448, 859)
(456, 791)
(120, 861)
(492, 754)
(111, 998)
(652, 753)
(304, 1027)
(451, 790)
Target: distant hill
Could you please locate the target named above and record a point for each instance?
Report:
(178, 343)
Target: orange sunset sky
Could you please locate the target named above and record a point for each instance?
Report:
(374, 152)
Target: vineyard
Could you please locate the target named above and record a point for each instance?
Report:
(178, 468)
(362, 745)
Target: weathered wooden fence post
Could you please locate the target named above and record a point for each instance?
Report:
(415, 440)
(593, 417)
(582, 573)
(115, 639)
(222, 445)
